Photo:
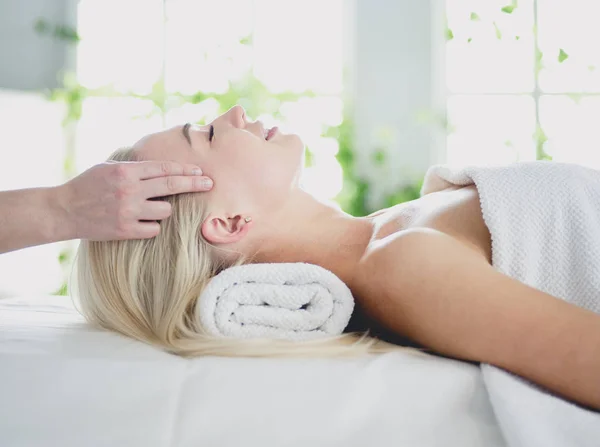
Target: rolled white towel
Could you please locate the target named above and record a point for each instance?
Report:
(290, 301)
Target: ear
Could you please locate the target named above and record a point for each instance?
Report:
(225, 230)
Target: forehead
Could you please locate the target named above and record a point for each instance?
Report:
(168, 144)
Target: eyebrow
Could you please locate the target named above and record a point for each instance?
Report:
(186, 132)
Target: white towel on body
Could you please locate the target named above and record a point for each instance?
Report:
(290, 301)
(544, 219)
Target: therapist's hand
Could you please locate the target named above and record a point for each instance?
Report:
(109, 200)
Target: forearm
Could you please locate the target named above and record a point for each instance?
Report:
(31, 217)
(564, 358)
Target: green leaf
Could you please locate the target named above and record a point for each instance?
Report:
(449, 34)
(41, 26)
(538, 56)
(540, 139)
(379, 157)
(59, 32)
(498, 32)
(309, 159)
(508, 9)
(517, 37)
(475, 17)
(247, 40)
(540, 136)
(63, 32)
(469, 40)
(64, 257)
(562, 56)
(591, 67)
(69, 169)
(63, 290)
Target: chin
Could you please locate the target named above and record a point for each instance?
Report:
(298, 143)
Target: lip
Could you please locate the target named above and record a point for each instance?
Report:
(272, 132)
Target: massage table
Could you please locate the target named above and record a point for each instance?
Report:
(64, 383)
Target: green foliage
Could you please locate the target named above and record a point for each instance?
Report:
(540, 139)
(65, 258)
(355, 190)
(576, 97)
(497, 31)
(539, 55)
(449, 34)
(508, 9)
(57, 31)
(63, 290)
(309, 158)
(353, 196)
(247, 40)
(406, 194)
(562, 56)
(475, 17)
(379, 157)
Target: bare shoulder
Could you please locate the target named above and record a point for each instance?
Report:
(406, 257)
(412, 282)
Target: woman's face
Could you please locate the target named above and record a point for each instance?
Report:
(251, 174)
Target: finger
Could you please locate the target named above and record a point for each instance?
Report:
(167, 186)
(145, 230)
(153, 169)
(155, 210)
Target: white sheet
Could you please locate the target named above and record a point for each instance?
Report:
(65, 384)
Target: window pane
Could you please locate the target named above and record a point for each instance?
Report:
(121, 43)
(573, 27)
(299, 44)
(572, 129)
(203, 43)
(488, 63)
(490, 129)
(110, 123)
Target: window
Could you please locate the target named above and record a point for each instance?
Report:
(523, 81)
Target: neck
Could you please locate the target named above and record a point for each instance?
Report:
(315, 232)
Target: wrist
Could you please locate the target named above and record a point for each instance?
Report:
(60, 224)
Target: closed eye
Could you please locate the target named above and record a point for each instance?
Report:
(211, 133)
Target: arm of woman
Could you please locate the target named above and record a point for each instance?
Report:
(108, 201)
(439, 292)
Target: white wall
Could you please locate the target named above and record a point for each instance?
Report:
(29, 61)
(396, 83)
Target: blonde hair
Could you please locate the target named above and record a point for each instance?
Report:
(147, 289)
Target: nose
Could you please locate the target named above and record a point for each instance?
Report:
(237, 115)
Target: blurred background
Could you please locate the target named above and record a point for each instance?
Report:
(379, 90)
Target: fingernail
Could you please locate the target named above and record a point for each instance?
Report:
(207, 183)
(197, 171)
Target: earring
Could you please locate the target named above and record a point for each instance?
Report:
(248, 219)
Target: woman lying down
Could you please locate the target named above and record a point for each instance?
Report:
(490, 265)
